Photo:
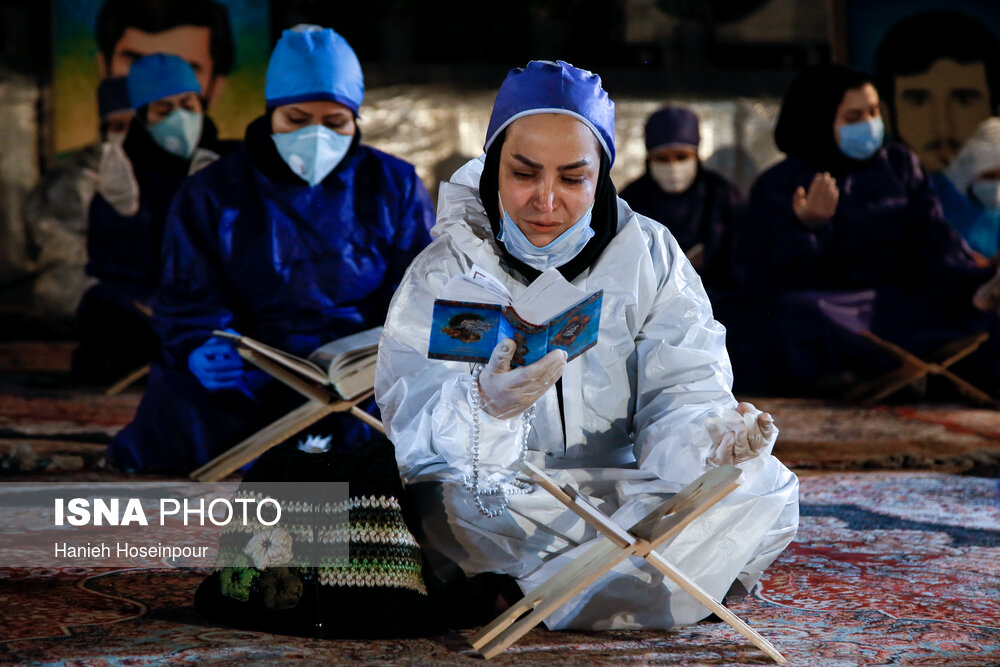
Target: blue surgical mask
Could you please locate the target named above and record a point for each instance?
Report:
(859, 141)
(563, 248)
(179, 132)
(987, 193)
(313, 151)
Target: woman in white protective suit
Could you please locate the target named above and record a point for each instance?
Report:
(635, 418)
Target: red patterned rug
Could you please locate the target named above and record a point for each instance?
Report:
(48, 425)
(887, 568)
(56, 428)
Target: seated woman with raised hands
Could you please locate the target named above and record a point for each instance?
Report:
(844, 234)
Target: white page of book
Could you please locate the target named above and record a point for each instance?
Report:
(342, 352)
(547, 296)
(476, 286)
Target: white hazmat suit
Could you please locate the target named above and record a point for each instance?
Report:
(639, 412)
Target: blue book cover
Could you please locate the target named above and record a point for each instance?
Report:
(468, 331)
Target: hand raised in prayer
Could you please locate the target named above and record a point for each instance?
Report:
(115, 180)
(816, 207)
(746, 439)
(507, 392)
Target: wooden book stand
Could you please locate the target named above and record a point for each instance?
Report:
(127, 381)
(914, 368)
(322, 402)
(660, 525)
(139, 373)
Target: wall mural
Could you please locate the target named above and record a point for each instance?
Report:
(936, 65)
(227, 42)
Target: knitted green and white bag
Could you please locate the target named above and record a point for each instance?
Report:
(378, 592)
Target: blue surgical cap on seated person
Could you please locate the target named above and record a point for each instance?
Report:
(554, 87)
(313, 63)
(157, 76)
(672, 126)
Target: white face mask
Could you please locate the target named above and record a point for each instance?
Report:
(987, 193)
(674, 177)
(563, 248)
(312, 152)
(179, 132)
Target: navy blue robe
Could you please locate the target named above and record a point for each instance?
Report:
(250, 246)
(888, 239)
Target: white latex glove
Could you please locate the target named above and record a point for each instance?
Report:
(987, 297)
(116, 180)
(508, 392)
(741, 438)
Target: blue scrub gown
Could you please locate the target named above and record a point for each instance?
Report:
(250, 246)
(979, 227)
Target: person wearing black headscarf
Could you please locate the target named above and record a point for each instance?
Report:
(643, 409)
(696, 204)
(846, 234)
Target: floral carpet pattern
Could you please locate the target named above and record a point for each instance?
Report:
(887, 568)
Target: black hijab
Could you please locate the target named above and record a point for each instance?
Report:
(805, 124)
(604, 220)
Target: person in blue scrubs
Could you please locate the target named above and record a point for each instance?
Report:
(297, 239)
(135, 182)
(969, 190)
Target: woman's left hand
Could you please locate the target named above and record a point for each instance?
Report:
(754, 434)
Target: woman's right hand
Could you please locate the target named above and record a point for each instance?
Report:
(507, 392)
(816, 208)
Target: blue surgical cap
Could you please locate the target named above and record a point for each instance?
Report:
(112, 96)
(157, 76)
(672, 126)
(544, 86)
(314, 64)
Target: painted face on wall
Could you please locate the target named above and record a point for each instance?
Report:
(936, 110)
(190, 42)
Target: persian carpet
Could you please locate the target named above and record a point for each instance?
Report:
(888, 568)
(48, 425)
